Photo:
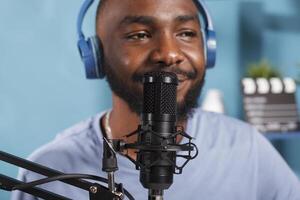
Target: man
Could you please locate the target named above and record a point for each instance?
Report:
(138, 36)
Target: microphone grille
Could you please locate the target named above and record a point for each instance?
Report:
(149, 93)
(168, 99)
(160, 93)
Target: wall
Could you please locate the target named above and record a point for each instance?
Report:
(42, 85)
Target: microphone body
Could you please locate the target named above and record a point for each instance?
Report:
(158, 126)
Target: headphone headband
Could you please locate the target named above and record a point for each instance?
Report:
(84, 8)
(203, 10)
(91, 52)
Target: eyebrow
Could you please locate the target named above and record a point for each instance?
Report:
(186, 18)
(149, 20)
(139, 19)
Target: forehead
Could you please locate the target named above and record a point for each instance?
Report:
(116, 10)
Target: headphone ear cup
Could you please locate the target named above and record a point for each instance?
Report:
(208, 33)
(210, 48)
(86, 54)
(98, 56)
(91, 55)
(204, 45)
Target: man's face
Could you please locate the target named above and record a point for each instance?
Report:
(139, 36)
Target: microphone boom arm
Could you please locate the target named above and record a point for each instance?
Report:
(95, 190)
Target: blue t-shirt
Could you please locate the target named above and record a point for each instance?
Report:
(235, 162)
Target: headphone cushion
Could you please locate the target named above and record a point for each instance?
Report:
(98, 55)
(91, 55)
(211, 48)
(86, 54)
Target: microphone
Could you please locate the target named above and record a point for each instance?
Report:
(156, 145)
(158, 125)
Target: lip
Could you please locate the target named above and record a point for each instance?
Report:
(181, 78)
(182, 83)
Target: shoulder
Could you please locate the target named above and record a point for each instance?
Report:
(218, 135)
(219, 120)
(70, 145)
(75, 150)
(214, 127)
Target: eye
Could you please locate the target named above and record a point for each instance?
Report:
(187, 35)
(138, 36)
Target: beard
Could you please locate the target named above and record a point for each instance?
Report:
(133, 96)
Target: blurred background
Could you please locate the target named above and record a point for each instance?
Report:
(43, 89)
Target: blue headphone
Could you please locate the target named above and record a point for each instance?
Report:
(91, 52)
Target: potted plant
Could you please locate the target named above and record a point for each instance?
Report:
(262, 69)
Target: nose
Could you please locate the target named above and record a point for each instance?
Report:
(167, 51)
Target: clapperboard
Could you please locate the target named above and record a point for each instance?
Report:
(270, 104)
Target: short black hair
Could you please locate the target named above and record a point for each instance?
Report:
(101, 6)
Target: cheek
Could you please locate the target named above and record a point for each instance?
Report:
(120, 62)
(197, 60)
(126, 60)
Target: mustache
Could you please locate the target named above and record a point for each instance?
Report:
(138, 76)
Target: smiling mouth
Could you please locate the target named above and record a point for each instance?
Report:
(181, 78)
(182, 82)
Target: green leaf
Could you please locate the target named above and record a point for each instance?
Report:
(262, 69)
